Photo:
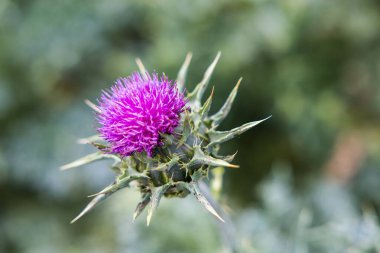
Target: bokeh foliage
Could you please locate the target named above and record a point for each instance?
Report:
(313, 65)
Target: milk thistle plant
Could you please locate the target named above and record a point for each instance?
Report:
(161, 138)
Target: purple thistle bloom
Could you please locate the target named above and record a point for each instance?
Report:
(136, 110)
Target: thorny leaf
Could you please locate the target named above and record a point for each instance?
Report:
(186, 131)
(92, 106)
(105, 193)
(168, 165)
(155, 201)
(206, 106)
(218, 117)
(142, 68)
(217, 137)
(141, 205)
(91, 205)
(91, 139)
(181, 78)
(201, 158)
(196, 95)
(194, 188)
(227, 158)
(199, 116)
(89, 159)
(120, 184)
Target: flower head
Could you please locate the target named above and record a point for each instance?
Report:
(134, 113)
(136, 110)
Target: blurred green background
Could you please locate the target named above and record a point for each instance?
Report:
(309, 177)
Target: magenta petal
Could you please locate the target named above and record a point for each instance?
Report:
(136, 109)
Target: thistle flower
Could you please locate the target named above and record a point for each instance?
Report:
(180, 140)
(137, 110)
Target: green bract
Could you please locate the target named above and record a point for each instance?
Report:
(185, 159)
